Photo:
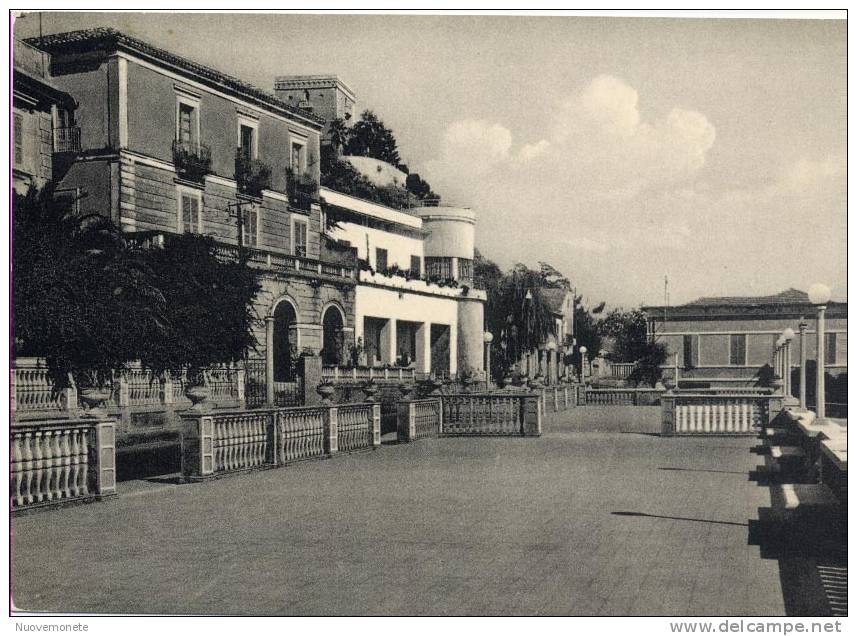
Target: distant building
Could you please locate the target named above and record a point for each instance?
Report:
(548, 360)
(728, 340)
(42, 120)
(326, 96)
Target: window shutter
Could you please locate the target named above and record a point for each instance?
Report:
(19, 138)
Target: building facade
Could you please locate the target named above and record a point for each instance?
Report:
(171, 146)
(42, 120)
(728, 341)
(549, 359)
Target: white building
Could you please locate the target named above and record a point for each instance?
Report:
(414, 303)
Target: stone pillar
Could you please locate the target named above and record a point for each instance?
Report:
(102, 459)
(376, 425)
(167, 389)
(423, 352)
(269, 360)
(197, 446)
(668, 414)
(406, 425)
(802, 354)
(310, 366)
(531, 415)
(819, 373)
(388, 342)
(331, 431)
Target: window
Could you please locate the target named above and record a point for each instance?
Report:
(299, 237)
(691, 351)
(190, 211)
(18, 134)
(297, 160)
(439, 266)
(187, 120)
(250, 226)
(738, 349)
(829, 348)
(380, 259)
(415, 266)
(465, 269)
(248, 140)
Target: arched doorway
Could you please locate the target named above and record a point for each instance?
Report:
(285, 343)
(333, 340)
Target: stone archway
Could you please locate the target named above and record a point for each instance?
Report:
(333, 341)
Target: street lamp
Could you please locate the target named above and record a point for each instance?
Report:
(819, 295)
(583, 363)
(488, 338)
(788, 336)
(551, 362)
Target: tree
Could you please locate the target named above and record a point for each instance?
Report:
(586, 329)
(369, 137)
(89, 302)
(633, 344)
(339, 134)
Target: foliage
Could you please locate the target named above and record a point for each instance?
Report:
(338, 134)
(89, 303)
(369, 137)
(648, 368)
(339, 175)
(628, 329)
(79, 296)
(586, 329)
(420, 188)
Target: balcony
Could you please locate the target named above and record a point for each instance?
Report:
(192, 161)
(302, 190)
(252, 175)
(67, 139)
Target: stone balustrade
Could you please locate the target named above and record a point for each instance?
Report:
(346, 374)
(417, 419)
(57, 461)
(507, 414)
(620, 397)
(222, 442)
(691, 413)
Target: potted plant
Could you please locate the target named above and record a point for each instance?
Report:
(326, 390)
(370, 388)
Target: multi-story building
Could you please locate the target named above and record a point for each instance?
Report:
(171, 146)
(42, 120)
(729, 340)
(325, 95)
(415, 304)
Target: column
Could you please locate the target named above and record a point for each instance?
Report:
(269, 360)
(819, 373)
(802, 353)
(423, 352)
(388, 341)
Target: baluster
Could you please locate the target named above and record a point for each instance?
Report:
(17, 471)
(38, 470)
(745, 417)
(64, 463)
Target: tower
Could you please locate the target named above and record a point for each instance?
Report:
(325, 95)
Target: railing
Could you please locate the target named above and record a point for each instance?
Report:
(622, 370)
(192, 161)
(251, 175)
(730, 414)
(226, 442)
(255, 389)
(240, 441)
(300, 433)
(560, 397)
(289, 393)
(344, 374)
(302, 191)
(620, 397)
(416, 419)
(355, 426)
(57, 461)
(287, 263)
(133, 387)
(491, 414)
(67, 139)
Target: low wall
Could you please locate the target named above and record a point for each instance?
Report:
(608, 419)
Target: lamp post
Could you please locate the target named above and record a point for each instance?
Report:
(583, 363)
(802, 326)
(819, 295)
(788, 336)
(778, 358)
(488, 338)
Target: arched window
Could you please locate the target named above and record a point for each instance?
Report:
(333, 338)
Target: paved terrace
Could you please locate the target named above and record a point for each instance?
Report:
(570, 523)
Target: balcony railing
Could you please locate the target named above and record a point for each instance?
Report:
(67, 139)
(192, 161)
(252, 175)
(302, 190)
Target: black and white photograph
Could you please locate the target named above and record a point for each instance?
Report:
(428, 314)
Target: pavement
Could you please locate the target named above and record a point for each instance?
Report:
(572, 523)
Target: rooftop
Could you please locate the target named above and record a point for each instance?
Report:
(107, 39)
(788, 297)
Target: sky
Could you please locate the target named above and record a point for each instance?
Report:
(619, 150)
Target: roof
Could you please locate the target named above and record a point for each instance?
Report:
(555, 298)
(787, 302)
(107, 39)
(788, 297)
